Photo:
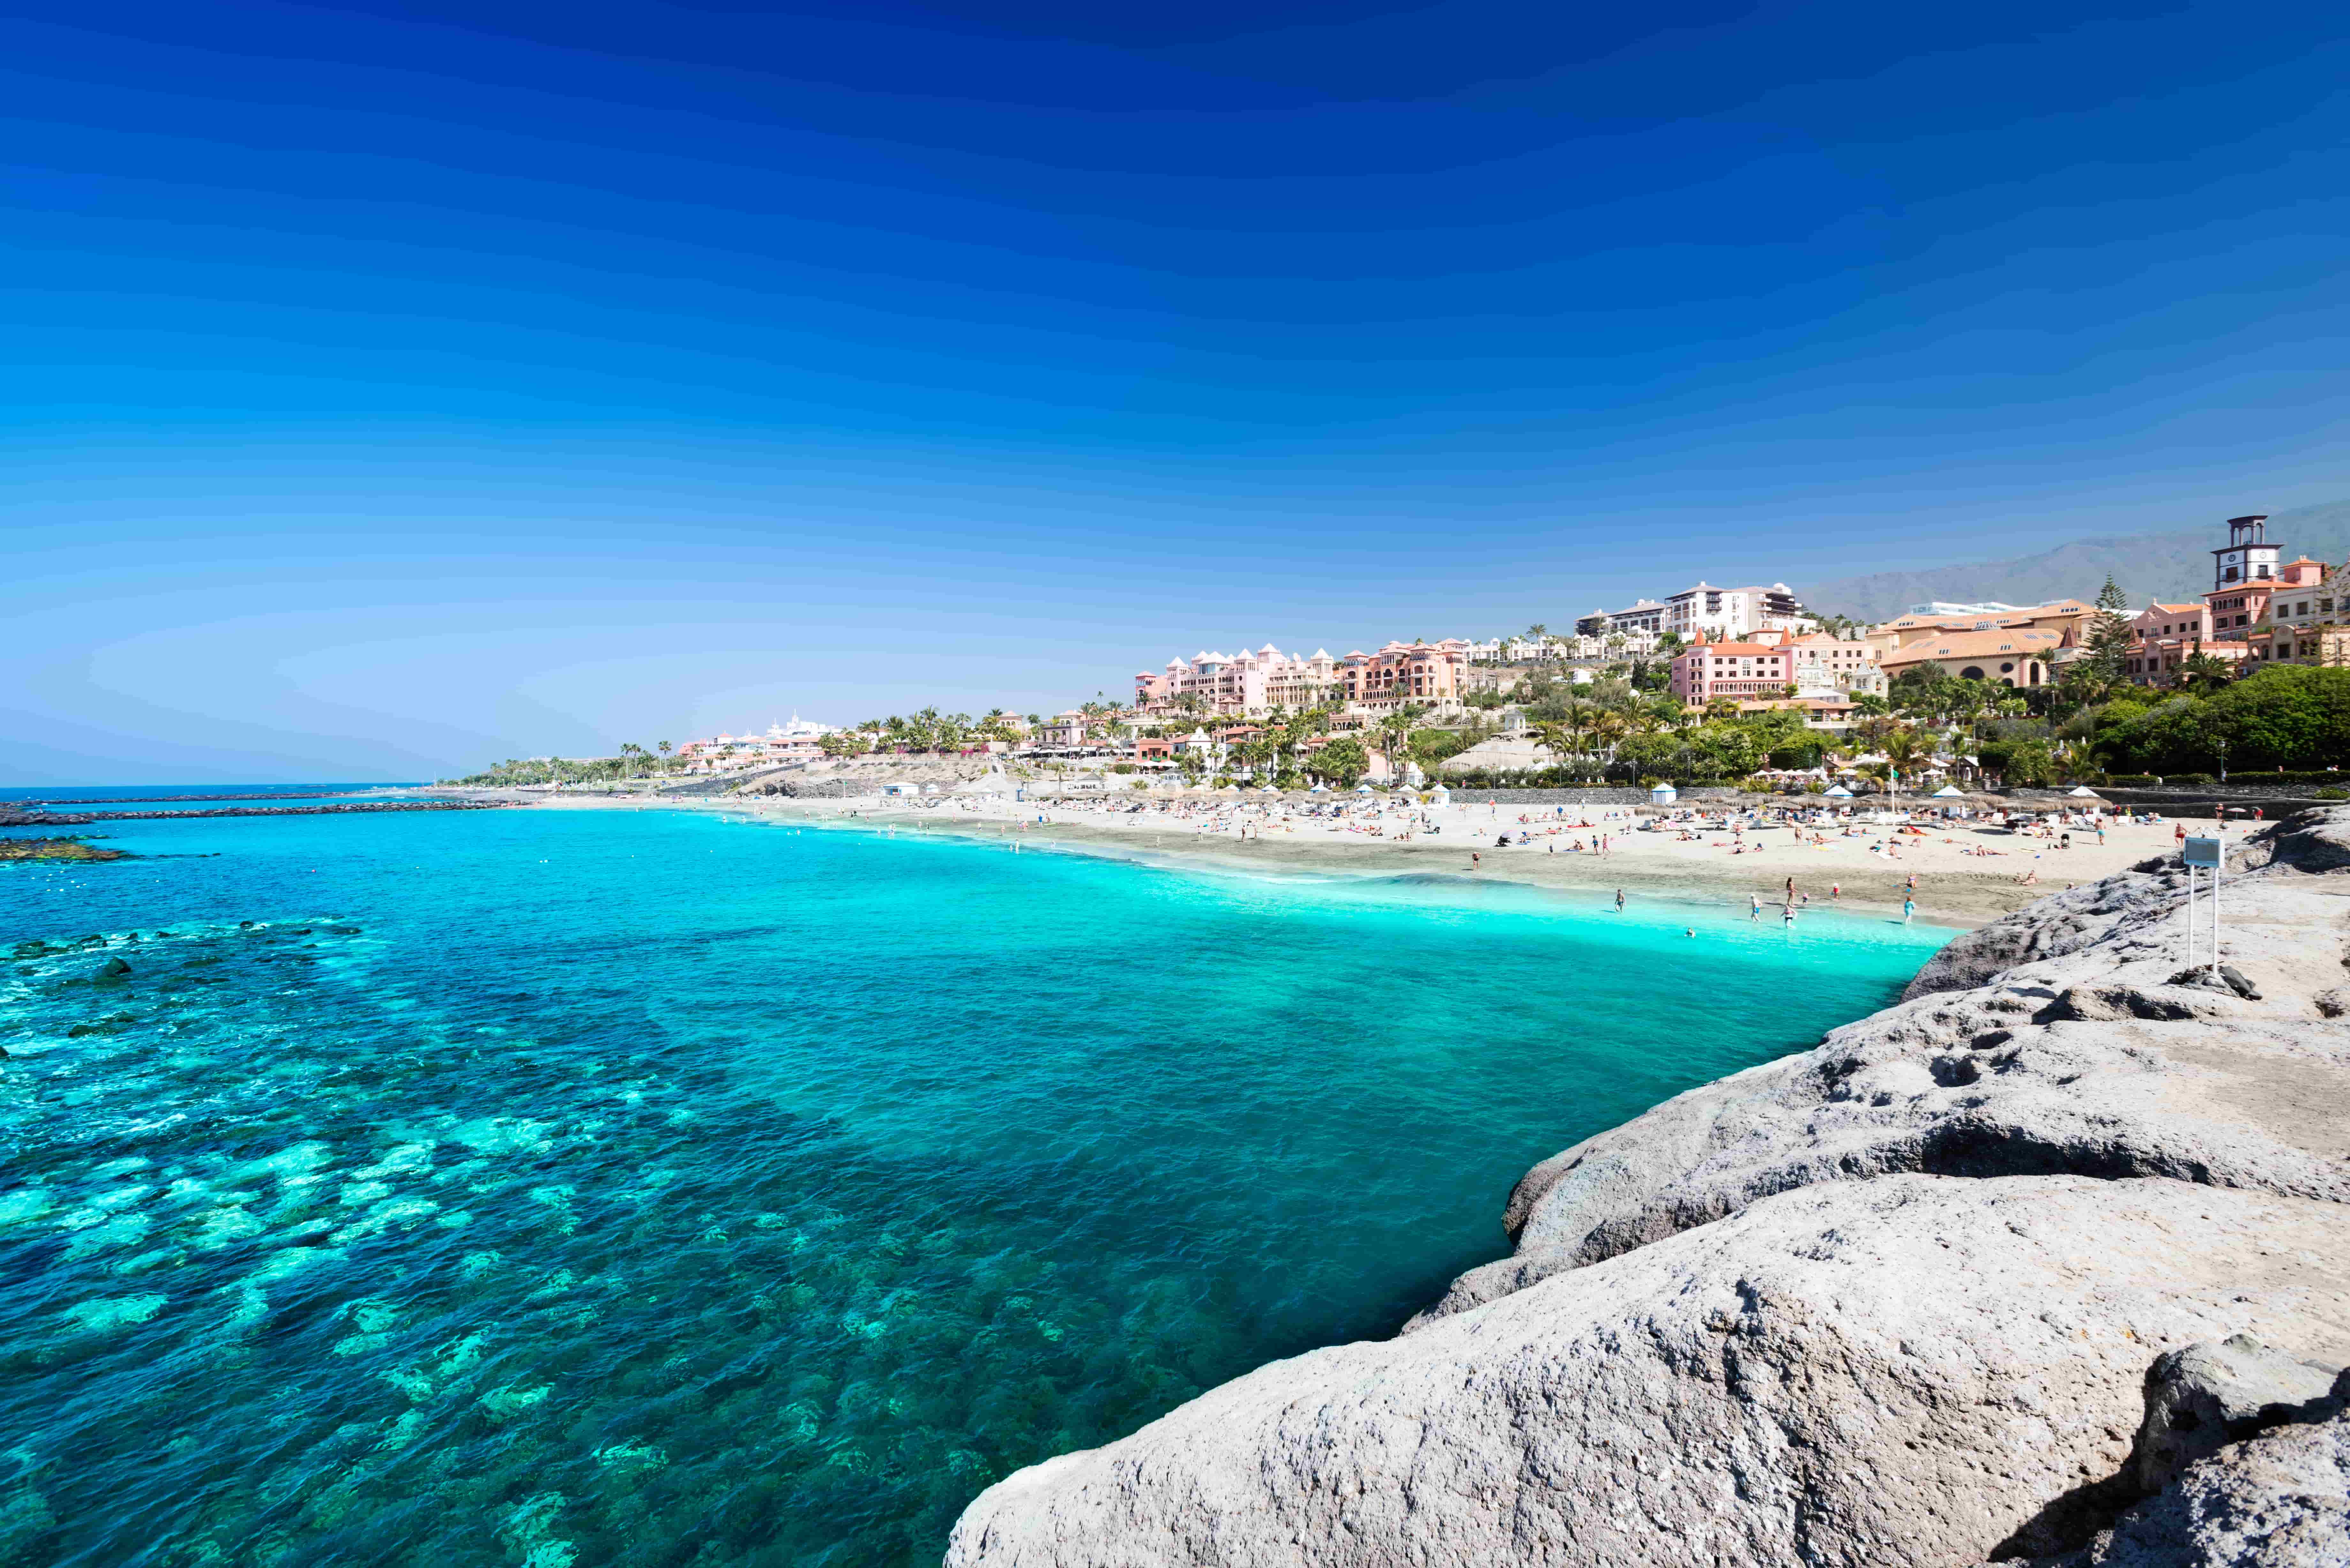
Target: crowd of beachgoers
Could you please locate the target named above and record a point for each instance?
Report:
(1957, 863)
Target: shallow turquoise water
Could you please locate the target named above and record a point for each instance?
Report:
(648, 1187)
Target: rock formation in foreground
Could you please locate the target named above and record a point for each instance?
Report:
(2051, 1261)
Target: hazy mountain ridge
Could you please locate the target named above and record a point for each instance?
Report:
(2171, 565)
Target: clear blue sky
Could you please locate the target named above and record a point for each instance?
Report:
(391, 388)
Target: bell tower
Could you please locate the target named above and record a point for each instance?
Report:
(2247, 558)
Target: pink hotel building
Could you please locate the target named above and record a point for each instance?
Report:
(1742, 671)
(1252, 682)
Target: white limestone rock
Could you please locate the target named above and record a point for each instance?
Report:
(2280, 1499)
(1914, 1369)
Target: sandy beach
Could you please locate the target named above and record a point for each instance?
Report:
(1965, 874)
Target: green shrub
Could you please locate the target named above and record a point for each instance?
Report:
(2334, 792)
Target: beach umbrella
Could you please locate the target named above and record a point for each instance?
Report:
(1949, 791)
(1839, 793)
(1319, 789)
(1270, 789)
(2083, 791)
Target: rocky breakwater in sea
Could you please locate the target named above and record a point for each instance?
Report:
(2049, 1260)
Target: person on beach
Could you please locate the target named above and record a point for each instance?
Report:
(1787, 917)
(1908, 908)
(1474, 860)
(1754, 907)
(1620, 900)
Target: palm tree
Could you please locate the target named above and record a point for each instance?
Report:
(2200, 671)
(1393, 731)
(2077, 762)
(1902, 750)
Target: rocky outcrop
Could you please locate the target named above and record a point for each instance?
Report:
(2265, 1471)
(1896, 1299)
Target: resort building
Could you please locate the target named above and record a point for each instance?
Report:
(1644, 622)
(1243, 683)
(800, 741)
(2307, 620)
(1420, 672)
(1250, 684)
(2067, 617)
(1826, 666)
(1737, 670)
(2246, 575)
(2162, 637)
(1726, 614)
(1719, 615)
(2020, 656)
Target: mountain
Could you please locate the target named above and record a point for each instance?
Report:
(2167, 565)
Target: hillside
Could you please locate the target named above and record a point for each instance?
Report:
(2169, 565)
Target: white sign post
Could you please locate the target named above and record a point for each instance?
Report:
(2207, 854)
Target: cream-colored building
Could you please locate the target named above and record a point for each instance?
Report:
(2021, 657)
(2307, 620)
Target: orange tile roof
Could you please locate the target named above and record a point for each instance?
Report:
(1976, 645)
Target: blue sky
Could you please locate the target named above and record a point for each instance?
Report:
(394, 387)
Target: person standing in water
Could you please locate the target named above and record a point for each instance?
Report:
(1754, 907)
(1620, 900)
(1908, 908)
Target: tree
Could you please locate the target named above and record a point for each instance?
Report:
(2204, 673)
(2109, 637)
(1343, 762)
(1903, 750)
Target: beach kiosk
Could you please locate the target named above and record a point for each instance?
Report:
(1663, 794)
(1439, 795)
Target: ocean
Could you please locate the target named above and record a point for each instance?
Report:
(648, 1187)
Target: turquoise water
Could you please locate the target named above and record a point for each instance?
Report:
(648, 1188)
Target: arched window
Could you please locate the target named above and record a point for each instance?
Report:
(1971, 672)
